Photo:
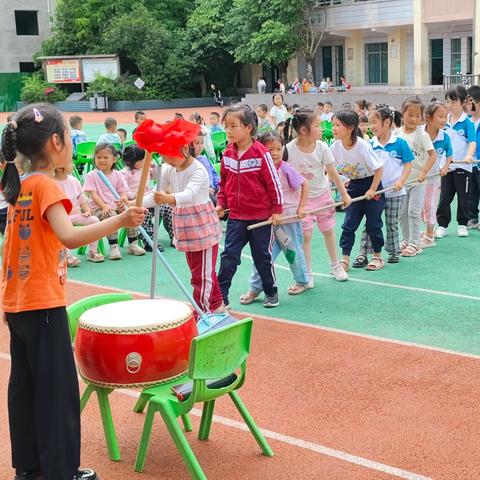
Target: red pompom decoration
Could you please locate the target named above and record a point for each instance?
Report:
(166, 139)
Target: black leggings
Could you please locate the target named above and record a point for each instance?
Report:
(43, 396)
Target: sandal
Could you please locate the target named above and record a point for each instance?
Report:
(296, 289)
(361, 261)
(95, 257)
(248, 298)
(411, 250)
(344, 265)
(376, 263)
(403, 246)
(72, 261)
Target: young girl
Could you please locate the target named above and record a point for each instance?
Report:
(133, 157)
(311, 157)
(103, 202)
(397, 159)
(209, 149)
(422, 147)
(363, 126)
(196, 150)
(43, 396)
(197, 229)
(356, 160)
(474, 94)
(288, 235)
(80, 213)
(461, 131)
(251, 190)
(279, 112)
(436, 117)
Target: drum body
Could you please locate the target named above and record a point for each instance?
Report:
(135, 343)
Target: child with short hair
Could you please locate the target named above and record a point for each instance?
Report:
(80, 213)
(327, 114)
(474, 94)
(264, 124)
(197, 229)
(140, 116)
(76, 132)
(279, 112)
(103, 203)
(251, 190)
(319, 108)
(397, 162)
(436, 118)
(357, 161)
(215, 125)
(363, 126)
(43, 393)
(311, 158)
(422, 147)
(133, 158)
(288, 236)
(110, 136)
(461, 131)
(122, 134)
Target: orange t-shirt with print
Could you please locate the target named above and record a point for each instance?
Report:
(34, 272)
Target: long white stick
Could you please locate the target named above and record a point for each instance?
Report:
(153, 279)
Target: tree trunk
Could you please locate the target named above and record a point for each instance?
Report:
(203, 85)
(309, 74)
(283, 71)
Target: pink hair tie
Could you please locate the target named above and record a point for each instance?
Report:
(38, 116)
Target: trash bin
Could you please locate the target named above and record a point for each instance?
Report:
(98, 101)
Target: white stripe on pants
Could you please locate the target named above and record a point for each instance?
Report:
(411, 214)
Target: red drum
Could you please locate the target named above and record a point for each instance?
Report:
(135, 343)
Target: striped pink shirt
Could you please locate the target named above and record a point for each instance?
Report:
(93, 183)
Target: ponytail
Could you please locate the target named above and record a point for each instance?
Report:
(10, 182)
(287, 131)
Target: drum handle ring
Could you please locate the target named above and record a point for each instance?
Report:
(134, 362)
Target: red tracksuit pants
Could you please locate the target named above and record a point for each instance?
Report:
(206, 291)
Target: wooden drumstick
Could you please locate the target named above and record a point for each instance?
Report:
(143, 179)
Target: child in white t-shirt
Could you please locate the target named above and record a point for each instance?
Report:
(279, 112)
(311, 157)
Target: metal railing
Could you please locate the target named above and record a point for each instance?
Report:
(467, 80)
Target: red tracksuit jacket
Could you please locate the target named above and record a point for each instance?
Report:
(249, 186)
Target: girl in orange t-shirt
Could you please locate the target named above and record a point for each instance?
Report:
(43, 397)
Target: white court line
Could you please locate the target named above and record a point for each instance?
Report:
(305, 445)
(384, 284)
(317, 327)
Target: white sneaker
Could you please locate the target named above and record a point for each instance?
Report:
(339, 273)
(135, 249)
(441, 232)
(311, 282)
(115, 252)
(462, 231)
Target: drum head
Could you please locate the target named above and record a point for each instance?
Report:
(137, 314)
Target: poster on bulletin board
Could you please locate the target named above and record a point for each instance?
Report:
(63, 71)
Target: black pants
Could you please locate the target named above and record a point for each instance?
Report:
(260, 240)
(43, 396)
(371, 209)
(475, 195)
(456, 182)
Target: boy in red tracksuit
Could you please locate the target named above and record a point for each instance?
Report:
(251, 190)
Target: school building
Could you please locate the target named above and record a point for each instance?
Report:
(397, 43)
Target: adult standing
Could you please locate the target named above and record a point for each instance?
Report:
(261, 85)
(217, 95)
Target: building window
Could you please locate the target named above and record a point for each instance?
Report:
(470, 55)
(26, 67)
(455, 56)
(327, 62)
(339, 64)
(436, 47)
(26, 22)
(376, 55)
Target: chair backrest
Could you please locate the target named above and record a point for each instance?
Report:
(75, 310)
(219, 353)
(219, 139)
(129, 143)
(86, 149)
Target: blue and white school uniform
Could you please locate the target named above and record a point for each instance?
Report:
(458, 182)
(395, 154)
(475, 194)
(359, 165)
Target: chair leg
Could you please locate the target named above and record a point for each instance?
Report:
(141, 402)
(86, 396)
(251, 424)
(108, 426)
(145, 439)
(206, 422)
(187, 424)
(181, 442)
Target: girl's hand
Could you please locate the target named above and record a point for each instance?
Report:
(347, 200)
(468, 159)
(398, 186)
(369, 194)
(87, 213)
(120, 204)
(422, 176)
(301, 212)
(162, 197)
(133, 216)
(220, 211)
(107, 210)
(444, 170)
(276, 218)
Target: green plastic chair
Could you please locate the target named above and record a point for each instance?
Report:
(100, 248)
(327, 131)
(85, 155)
(129, 143)
(214, 355)
(74, 311)
(219, 140)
